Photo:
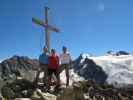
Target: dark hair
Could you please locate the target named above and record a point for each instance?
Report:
(45, 47)
(64, 48)
(53, 50)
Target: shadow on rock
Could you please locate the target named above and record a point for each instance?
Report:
(89, 70)
(18, 89)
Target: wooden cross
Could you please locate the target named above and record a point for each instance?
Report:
(46, 26)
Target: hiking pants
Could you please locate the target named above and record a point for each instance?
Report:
(66, 67)
(43, 68)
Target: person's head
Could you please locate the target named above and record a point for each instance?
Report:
(53, 51)
(64, 49)
(45, 49)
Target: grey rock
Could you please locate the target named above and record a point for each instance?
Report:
(17, 65)
(89, 70)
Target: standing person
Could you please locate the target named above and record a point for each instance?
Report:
(53, 67)
(43, 62)
(65, 60)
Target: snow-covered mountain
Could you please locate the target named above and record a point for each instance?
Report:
(116, 69)
(88, 69)
(119, 68)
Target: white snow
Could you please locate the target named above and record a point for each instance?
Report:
(73, 77)
(1, 61)
(118, 68)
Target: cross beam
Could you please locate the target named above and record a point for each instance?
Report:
(47, 27)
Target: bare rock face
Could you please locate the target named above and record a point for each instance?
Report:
(122, 53)
(17, 66)
(89, 70)
(118, 53)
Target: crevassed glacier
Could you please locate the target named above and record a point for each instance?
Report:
(118, 68)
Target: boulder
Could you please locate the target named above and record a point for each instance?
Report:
(18, 89)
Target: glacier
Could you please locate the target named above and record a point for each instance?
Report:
(118, 68)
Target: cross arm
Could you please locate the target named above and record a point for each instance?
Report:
(41, 23)
(37, 21)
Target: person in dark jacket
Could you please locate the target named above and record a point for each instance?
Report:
(43, 62)
(53, 66)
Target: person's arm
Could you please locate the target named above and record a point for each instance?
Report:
(58, 63)
(58, 60)
(60, 57)
(70, 63)
(49, 60)
(40, 60)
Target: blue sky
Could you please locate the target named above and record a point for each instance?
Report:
(89, 26)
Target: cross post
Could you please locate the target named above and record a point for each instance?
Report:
(46, 26)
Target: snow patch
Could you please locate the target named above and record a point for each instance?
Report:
(73, 77)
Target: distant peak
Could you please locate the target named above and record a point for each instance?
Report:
(86, 55)
(117, 53)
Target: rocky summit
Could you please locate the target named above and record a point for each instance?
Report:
(94, 85)
(85, 90)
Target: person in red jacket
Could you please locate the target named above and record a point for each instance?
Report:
(53, 66)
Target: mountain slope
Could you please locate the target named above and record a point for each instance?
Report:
(111, 69)
(119, 69)
(88, 69)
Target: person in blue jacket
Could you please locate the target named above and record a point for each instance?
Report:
(43, 62)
